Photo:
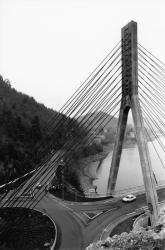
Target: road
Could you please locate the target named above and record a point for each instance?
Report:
(76, 229)
(78, 224)
(69, 231)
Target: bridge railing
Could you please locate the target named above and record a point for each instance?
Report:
(94, 194)
(138, 189)
(12, 184)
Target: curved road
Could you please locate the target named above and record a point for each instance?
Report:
(79, 224)
(77, 230)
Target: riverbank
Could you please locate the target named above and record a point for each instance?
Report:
(87, 168)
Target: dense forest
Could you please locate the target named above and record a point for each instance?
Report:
(29, 131)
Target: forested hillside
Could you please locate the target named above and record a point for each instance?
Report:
(28, 132)
(101, 123)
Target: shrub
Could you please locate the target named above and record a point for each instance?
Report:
(141, 239)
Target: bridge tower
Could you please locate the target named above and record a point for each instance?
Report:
(129, 101)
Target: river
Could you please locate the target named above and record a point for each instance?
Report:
(130, 174)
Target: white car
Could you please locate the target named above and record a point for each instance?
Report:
(129, 198)
(38, 185)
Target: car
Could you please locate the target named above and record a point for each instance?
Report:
(38, 185)
(129, 198)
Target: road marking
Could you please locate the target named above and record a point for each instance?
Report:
(95, 214)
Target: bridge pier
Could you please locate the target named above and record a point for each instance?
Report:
(123, 116)
(129, 101)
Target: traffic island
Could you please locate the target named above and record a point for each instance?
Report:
(26, 229)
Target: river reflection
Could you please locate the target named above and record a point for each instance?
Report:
(130, 174)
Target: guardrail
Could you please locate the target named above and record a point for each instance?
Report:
(87, 194)
(137, 189)
(13, 182)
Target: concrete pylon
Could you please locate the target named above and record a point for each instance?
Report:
(129, 101)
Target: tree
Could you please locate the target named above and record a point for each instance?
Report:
(36, 134)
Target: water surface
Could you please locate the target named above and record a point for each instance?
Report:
(130, 174)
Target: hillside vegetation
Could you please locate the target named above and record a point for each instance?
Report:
(29, 131)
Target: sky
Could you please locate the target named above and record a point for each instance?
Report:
(49, 47)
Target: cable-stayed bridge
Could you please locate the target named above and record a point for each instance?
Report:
(129, 77)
